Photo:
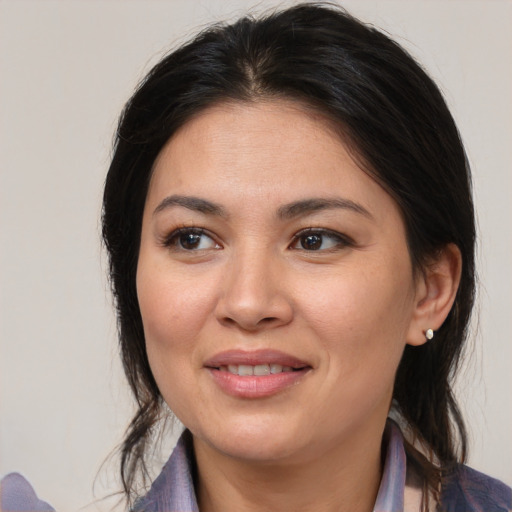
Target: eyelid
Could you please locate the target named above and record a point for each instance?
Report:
(169, 239)
(345, 240)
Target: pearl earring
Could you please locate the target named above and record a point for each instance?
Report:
(429, 334)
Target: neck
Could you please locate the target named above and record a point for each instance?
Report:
(343, 479)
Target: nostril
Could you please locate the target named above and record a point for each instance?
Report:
(248, 325)
(252, 311)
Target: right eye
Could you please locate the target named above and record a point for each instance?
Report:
(190, 239)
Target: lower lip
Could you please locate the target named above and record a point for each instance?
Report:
(253, 386)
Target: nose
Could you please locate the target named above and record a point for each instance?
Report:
(254, 296)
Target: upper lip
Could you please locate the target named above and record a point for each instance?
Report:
(254, 358)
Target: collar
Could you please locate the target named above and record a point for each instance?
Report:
(173, 490)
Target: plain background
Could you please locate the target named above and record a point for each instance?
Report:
(66, 69)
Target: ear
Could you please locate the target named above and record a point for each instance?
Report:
(436, 288)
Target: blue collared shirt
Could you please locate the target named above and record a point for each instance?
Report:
(466, 490)
(173, 490)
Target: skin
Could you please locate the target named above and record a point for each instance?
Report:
(251, 281)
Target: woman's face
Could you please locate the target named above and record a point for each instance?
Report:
(274, 282)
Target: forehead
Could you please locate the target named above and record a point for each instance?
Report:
(276, 150)
(232, 128)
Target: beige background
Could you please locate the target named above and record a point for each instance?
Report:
(66, 69)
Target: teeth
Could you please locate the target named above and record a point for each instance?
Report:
(245, 369)
(276, 368)
(259, 369)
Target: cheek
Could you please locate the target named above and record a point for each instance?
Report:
(361, 315)
(361, 321)
(172, 306)
(174, 310)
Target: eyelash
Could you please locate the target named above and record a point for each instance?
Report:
(173, 239)
(341, 240)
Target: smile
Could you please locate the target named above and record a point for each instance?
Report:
(256, 374)
(261, 370)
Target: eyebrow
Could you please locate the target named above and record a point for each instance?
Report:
(285, 212)
(191, 203)
(307, 206)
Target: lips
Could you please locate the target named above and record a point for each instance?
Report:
(255, 374)
(255, 358)
(259, 370)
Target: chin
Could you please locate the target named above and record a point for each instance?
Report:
(258, 448)
(263, 442)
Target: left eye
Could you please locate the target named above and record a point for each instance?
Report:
(318, 241)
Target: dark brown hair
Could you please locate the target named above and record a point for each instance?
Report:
(398, 123)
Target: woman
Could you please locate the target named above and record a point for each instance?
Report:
(289, 221)
(290, 227)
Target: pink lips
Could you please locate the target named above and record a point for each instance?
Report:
(255, 386)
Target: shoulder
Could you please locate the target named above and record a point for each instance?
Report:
(17, 495)
(468, 490)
